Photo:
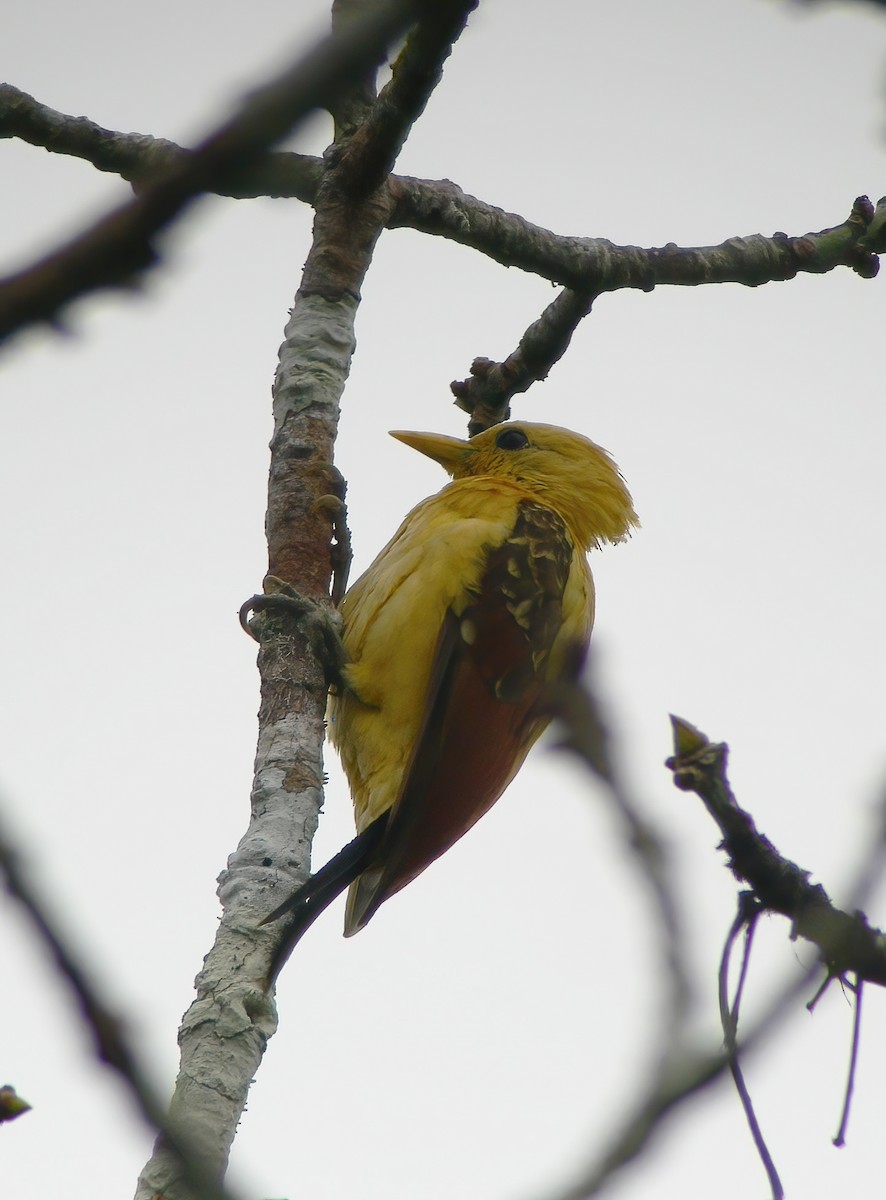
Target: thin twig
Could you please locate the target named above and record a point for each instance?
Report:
(486, 394)
(846, 941)
(840, 1139)
(819, 992)
(748, 913)
(692, 1073)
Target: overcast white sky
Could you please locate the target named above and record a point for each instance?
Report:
(481, 1037)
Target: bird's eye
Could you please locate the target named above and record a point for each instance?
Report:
(511, 439)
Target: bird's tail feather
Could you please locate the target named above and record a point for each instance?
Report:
(321, 889)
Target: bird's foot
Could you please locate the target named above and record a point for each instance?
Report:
(320, 625)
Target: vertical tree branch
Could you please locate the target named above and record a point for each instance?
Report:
(417, 71)
(225, 1031)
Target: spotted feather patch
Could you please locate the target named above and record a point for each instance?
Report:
(520, 603)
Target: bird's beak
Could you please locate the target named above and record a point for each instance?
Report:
(449, 452)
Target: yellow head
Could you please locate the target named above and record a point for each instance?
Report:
(564, 470)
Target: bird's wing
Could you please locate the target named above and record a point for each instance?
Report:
(480, 712)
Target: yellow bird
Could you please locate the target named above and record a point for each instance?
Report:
(451, 636)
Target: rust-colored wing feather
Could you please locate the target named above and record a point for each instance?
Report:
(481, 710)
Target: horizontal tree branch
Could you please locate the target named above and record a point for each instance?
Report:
(141, 159)
(846, 941)
(119, 247)
(599, 265)
(111, 252)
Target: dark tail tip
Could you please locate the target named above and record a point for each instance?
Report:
(308, 902)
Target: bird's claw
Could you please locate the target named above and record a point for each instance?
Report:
(340, 552)
(320, 625)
